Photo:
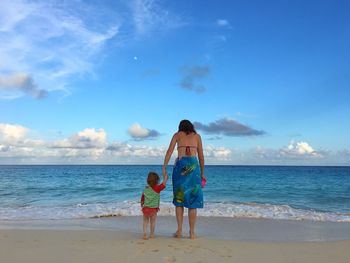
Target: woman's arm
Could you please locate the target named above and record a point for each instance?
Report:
(168, 154)
(200, 155)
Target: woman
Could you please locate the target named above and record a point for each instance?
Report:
(187, 174)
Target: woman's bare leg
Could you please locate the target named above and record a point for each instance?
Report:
(153, 225)
(192, 217)
(145, 224)
(179, 218)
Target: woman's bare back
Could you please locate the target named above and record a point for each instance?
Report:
(187, 144)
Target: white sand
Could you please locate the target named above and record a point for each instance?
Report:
(35, 246)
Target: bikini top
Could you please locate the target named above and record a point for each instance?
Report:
(188, 149)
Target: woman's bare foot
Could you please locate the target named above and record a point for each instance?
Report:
(145, 237)
(151, 236)
(192, 235)
(177, 234)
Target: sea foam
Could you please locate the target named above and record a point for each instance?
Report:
(132, 208)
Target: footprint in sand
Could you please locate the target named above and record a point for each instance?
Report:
(170, 259)
(155, 250)
(188, 250)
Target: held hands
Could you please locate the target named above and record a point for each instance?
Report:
(165, 175)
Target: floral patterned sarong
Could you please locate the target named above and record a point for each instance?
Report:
(187, 181)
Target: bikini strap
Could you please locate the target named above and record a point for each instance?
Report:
(188, 150)
(186, 146)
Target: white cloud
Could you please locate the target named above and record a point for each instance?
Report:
(87, 146)
(15, 141)
(124, 150)
(121, 149)
(138, 132)
(97, 136)
(11, 14)
(294, 153)
(86, 139)
(149, 16)
(217, 153)
(53, 43)
(12, 132)
(49, 42)
(300, 149)
(13, 135)
(90, 145)
(222, 22)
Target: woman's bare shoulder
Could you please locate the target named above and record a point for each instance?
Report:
(176, 135)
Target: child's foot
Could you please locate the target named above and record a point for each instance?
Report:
(192, 235)
(145, 237)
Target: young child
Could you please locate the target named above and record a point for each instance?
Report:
(150, 200)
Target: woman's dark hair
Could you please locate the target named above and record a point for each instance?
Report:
(152, 179)
(186, 126)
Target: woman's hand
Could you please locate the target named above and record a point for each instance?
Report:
(165, 175)
(204, 180)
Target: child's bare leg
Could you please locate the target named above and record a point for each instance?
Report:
(153, 224)
(145, 224)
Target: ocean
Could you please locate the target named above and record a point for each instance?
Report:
(30, 192)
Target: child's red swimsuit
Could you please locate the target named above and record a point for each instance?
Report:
(148, 211)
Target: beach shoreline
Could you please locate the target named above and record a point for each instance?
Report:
(119, 239)
(219, 228)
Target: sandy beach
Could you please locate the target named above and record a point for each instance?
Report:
(119, 240)
(113, 246)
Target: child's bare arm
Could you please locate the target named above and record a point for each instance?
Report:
(142, 199)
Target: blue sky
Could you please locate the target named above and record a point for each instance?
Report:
(265, 82)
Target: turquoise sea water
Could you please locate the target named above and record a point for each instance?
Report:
(83, 191)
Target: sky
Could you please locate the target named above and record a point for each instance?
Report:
(107, 82)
